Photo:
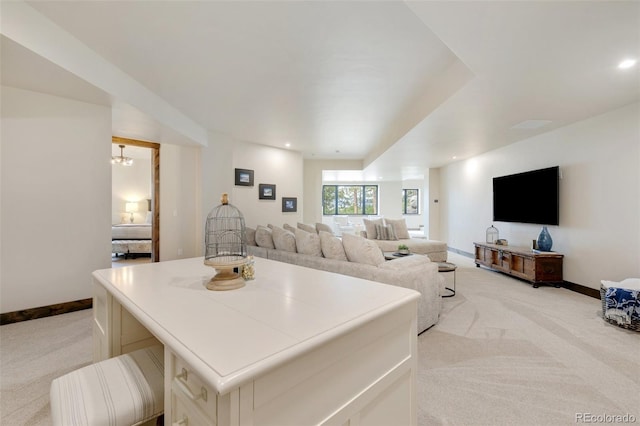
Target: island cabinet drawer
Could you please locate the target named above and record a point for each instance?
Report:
(190, 393)
(185, 413)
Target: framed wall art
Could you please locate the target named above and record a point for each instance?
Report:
(244, 177)
(289, 204)
(266, 191)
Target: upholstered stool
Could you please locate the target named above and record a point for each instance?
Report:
(122, 391)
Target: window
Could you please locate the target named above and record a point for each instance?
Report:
(350, 199)
(410, 201)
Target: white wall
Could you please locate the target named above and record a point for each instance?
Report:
(432, 203)
(217, 177)
(280, 167)
(599, 231)
(179, 201)
(390, 199)
(56, 213)
(130, 183)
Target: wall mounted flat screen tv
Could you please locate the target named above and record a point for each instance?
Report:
(529, 197)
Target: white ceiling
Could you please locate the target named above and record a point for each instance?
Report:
(404, 86)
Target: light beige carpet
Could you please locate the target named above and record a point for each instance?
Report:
(32, 354)
(503, 353)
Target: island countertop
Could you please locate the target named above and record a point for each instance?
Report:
(233, 336)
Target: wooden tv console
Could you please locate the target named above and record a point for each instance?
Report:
(521, 262)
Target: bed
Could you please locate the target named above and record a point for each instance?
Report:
(130, 239)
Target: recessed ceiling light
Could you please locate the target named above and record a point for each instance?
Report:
(454, 157)
(287, 144)
(627, 63)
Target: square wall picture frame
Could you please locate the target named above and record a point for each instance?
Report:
(289, 204)
(266, 191)
(244, 177)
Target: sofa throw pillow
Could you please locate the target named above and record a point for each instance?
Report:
(323, 227)
(385, 232)
(370, 227)
(362, 250)
(250, 233)
(289, 228)
(391, 232)
(308, 243)
(308, 228)
(264, 237)
(400, 226)
(332, 246)
(283, 239)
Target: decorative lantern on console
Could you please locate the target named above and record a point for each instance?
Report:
(492, 235)
(225, 245)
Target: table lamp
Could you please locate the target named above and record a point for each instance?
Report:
(131, 208)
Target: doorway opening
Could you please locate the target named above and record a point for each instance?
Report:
(136, 205)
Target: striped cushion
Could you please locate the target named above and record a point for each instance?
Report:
(119, 391)
(385, 232)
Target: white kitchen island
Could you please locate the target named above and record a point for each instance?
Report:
(295, 346)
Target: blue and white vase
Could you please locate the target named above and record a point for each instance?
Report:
(544, 240)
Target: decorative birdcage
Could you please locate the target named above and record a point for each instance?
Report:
(225, 245)
(492, 235)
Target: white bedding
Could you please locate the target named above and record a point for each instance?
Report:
(131, 231)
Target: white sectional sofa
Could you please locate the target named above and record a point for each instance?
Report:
(388, 234)
(359, 258)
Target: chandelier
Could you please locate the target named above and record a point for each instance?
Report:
(121, 159)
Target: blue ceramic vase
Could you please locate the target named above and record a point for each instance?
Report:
(544, 240)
